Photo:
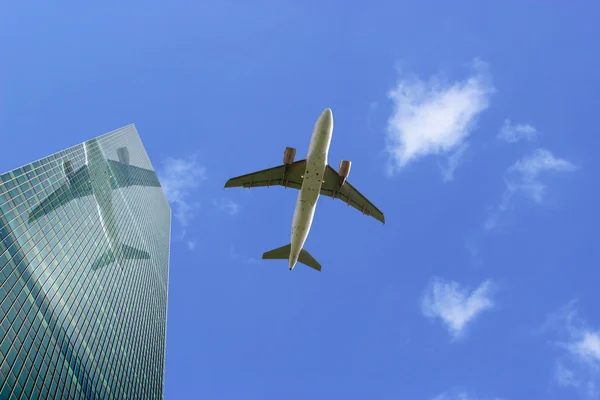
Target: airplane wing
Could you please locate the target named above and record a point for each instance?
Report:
(127, 175)
(349, 194)
(76, 187)
(282, 175)
(127, 253)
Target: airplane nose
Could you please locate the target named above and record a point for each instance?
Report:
(326, 118)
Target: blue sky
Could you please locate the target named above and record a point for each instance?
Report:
(471, 124)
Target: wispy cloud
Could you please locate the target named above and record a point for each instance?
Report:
(472, 246)
(514, 133)
(455, 396)
(541, 160)
(435, 117)
(228, 206)
(524, 178)
(373, 106)
(238, 257)
(456, 306)
(565, 376)
(179, 178)
(578, 362)
(461, 395)
(453, 162)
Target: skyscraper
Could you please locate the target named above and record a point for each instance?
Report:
(84, 267)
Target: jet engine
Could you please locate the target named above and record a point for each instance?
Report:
(123, 153)
(344, 170)
(69, 170)
(288, 155)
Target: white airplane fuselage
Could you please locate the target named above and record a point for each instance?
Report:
(316, 161)
(100, 176)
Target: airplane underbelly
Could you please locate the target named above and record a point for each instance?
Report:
(316, 162)
(306, 203)
(313, 180)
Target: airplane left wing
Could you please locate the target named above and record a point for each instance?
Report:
(346, 192)
(127, 175)
(75, 187)
(288, 175)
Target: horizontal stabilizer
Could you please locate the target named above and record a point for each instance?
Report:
(283, 253)
(131, 253)
(126, 253)
(306, 259)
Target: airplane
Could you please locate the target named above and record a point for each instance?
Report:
(312, 176)
(98, 177)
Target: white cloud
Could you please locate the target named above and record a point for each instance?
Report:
(524, 178)
(587, 346)
(527, 170)
(578, 363)
(227, 206)
(434, 117)
(179, 178)
(540, 160)
(514, 133)
(454, 305)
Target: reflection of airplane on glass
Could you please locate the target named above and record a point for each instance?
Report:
(98, 177)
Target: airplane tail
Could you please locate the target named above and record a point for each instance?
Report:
(126, 252)
(283, 253)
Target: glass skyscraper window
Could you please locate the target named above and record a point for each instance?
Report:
(84, 268)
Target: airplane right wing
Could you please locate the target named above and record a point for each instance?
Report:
(129, 175)
(288, 175)
(348, 193)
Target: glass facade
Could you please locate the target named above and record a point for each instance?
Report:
(84, 268)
